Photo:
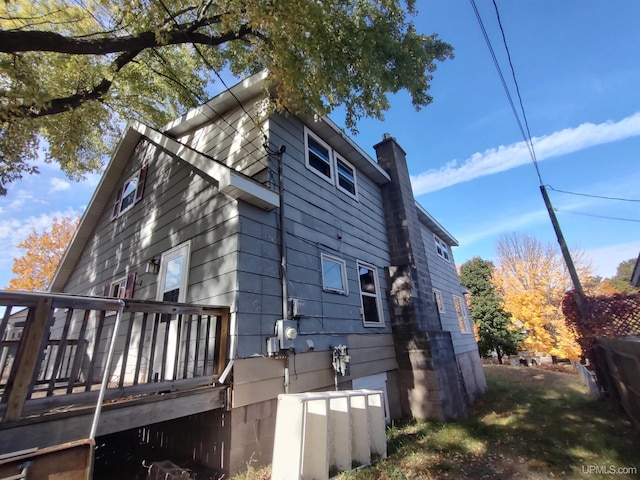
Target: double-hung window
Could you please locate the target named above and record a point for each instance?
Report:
(370, 296)
(129, 193)
(442, 249)
(346, 176)
(463, 316)
(334, 275)
(322, 160)
(318, 156)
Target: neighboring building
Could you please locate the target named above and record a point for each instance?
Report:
(319, 234)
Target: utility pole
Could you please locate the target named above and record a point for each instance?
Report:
(579, 292)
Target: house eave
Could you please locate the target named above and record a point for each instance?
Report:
(217, 106)
(345, 146)
(432, 224)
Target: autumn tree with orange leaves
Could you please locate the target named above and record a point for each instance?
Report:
(34, 270)
(532, 279)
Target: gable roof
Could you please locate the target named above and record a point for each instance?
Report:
(227, 180)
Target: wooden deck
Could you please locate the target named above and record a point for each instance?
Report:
(73, 368)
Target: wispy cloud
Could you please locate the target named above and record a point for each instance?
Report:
(500, 225)
(503, 158)
(58, 185)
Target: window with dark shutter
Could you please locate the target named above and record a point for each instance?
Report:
(130, 193)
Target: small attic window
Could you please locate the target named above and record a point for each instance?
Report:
(129, 193)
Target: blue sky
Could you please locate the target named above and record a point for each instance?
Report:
(577, 66)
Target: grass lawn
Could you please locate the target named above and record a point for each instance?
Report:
(531, 424)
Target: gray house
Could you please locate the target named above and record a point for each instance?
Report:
(334, 274)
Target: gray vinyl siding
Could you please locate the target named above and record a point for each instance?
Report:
(177, 206)
(235, 254)
(445, 279)
(322, 219)
(319, 219)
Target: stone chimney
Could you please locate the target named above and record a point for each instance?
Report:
(429, 380)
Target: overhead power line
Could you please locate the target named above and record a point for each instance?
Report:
(527, 138)
(579, 297)
(593, 196)
(584, 214)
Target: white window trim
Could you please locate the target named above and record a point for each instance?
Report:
(465, 320)
(437, 294)
(340, 158)
(343, 271)
(134, 193)
(380, 322)
(141, 175)
(121, 282)
(440, 245)
(184, 250)
(308, 133)
(334, 177)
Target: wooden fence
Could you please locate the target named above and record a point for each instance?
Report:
(623, 361)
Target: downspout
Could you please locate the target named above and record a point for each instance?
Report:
(283, 258)
(283, 250)
(283, 247)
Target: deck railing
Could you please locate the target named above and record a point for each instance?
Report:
(54, 349)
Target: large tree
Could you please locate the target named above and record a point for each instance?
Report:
(532, 279)
(622, 279)
(43, 250)
(72, 70)
(496, 331)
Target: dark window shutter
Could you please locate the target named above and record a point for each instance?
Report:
(141, 180)
(106, 290)
(128, 289)
(116, 205)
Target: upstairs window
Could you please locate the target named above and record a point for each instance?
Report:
(318, 156)
(334, 275)
(326, 163)
(346, 176)
(370, 296)
(442, 249)
(129, 193)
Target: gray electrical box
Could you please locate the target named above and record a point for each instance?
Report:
(298, 308)
(287, 331)
(273, 346)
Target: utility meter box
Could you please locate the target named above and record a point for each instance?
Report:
(287, 333)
